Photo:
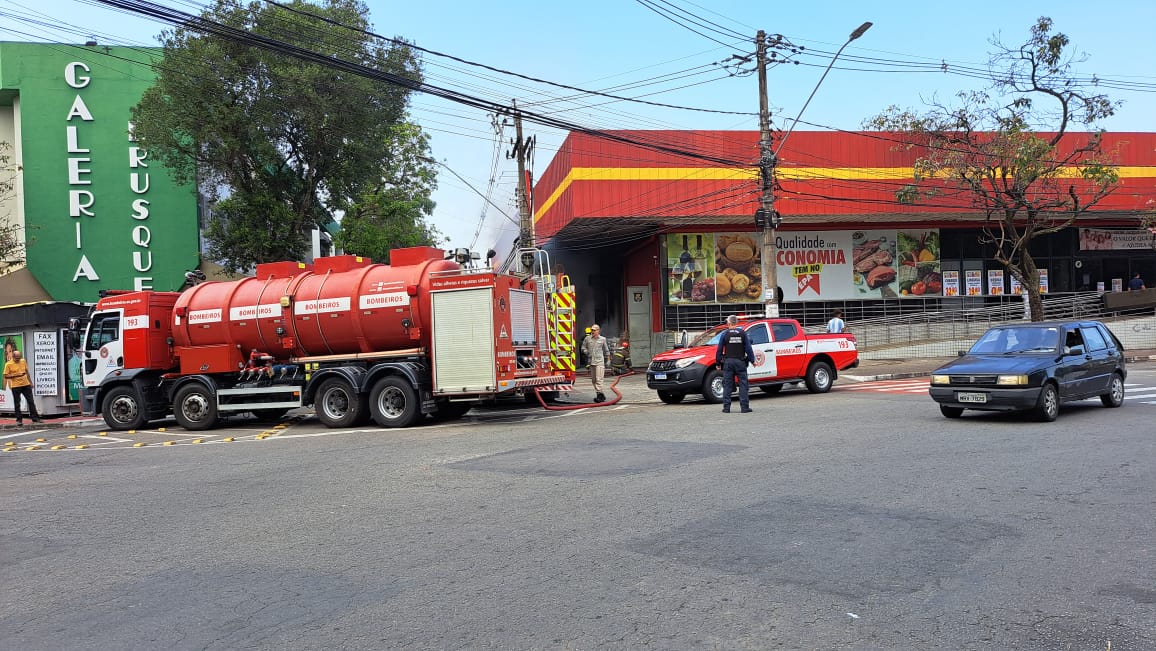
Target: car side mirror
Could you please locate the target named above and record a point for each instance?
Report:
(961, 353)
(1073, 350)
(682, 338)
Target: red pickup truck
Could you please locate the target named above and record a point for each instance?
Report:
(784, 354)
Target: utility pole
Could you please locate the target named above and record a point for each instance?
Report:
(765, 216)
(521, 149)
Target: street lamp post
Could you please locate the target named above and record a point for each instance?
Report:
(766, 217)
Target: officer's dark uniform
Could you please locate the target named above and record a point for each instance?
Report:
(734, 354)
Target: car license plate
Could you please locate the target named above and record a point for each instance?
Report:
(660, 376)
(971, 397)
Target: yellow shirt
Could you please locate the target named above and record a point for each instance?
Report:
(16, 374)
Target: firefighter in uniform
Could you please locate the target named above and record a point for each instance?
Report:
(597, 356)
(734, 354)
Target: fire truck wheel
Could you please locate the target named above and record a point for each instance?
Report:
(338, 404)
(393, 403)
(671, 397)
(819, 377)
(195, 407)
(712, 386)
(122, 409)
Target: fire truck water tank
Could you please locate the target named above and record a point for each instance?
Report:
(338, 306)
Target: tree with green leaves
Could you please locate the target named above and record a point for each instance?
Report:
(393, 213)
(1011, 152)
(280, 145)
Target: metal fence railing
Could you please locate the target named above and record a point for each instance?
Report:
(930, 326)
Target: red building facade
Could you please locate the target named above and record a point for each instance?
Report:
(656, 228)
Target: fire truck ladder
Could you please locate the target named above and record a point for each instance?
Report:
(560, 321)
(556, 298)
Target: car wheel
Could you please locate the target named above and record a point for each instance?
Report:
(1048, 405)
(671, 397)
(950, 412)
(712, 386)
(393, 402)
(123, 409)
(338, 404)
(1115, 395)
(195, 407)
(819, 377)
(771, 389)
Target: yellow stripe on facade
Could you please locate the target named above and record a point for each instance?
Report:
(747, 173)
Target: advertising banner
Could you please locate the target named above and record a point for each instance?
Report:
(974, 279)
(1098, 239)
(12, 343)
(995, 282)
(1043, 281)
(919, 266)
(45, 370)
(810, 265)
(690, 268)
(951, 283)
(1016, 287)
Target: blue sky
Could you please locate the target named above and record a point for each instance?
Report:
(602, 44)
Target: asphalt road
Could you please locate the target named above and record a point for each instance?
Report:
(858, 519)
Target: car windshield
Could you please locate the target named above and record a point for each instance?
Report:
(1021, 339)
(708, 338)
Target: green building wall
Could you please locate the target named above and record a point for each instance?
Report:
(97, 212)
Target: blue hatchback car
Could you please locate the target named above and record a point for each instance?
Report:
(1033, 366)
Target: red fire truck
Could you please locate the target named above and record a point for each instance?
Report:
(425, 335)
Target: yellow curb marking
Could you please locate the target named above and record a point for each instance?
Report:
(58, 447)
(71, 436)
(31, 448)
(228, 440)
(81, 447)
(139, 445)
(198, 440)
(169, 443)
(41, 440)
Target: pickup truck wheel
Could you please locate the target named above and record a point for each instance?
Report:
(820, 376)
(950, 412)
(393, 403)
(712, 386)
(1048, 405)
(195, 407)
(1115, 395)
(671, 397)
(122, 409)
(338, 404)
(771, 389)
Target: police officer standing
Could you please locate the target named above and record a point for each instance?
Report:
(734, 354)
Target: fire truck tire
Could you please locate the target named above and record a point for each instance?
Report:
(123, 409)
(393, 402)
(338, 404)
(820, 377)
(712, 386)
(269, 414)
(195, 407)
(671, 397)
